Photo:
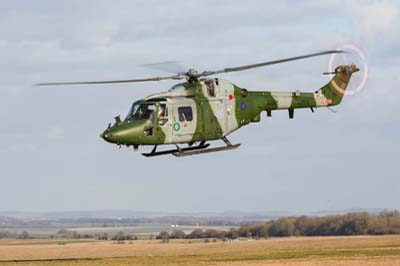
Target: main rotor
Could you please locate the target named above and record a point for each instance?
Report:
(192, 75)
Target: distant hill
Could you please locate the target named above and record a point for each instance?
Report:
(127, 217)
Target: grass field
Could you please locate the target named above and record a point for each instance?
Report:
(358, 250)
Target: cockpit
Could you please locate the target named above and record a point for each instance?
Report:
(146, 110)
(141, 111)
(131, 114)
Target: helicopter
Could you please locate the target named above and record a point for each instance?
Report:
(204, 108)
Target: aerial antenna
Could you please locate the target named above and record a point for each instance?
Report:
(331, 109)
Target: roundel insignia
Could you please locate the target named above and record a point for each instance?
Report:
(243, 106)
(177, 126)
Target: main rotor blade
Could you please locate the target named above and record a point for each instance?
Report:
(167, 66)
(245, 67)
(111, 81)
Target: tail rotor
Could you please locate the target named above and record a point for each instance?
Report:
(353, 56)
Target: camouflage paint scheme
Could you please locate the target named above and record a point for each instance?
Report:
(218, 108)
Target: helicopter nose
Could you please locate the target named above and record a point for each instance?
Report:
(107, 136)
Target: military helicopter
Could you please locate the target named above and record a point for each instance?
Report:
(204, 109)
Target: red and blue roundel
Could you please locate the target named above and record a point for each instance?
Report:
(243, 106)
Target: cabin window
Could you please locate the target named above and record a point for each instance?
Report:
(185, 114)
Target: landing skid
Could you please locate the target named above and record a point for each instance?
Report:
(195, 152)
(200, 149)
(158, 153)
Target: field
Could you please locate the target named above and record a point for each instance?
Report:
(357, 250)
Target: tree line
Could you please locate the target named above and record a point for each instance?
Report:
(361, 223)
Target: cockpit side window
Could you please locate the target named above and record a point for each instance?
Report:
(162, 114)
(144, 111)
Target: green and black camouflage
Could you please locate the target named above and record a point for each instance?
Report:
(210, 109)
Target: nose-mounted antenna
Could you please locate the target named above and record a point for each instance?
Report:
(117, 119)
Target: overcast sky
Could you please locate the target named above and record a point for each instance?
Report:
(51, 155)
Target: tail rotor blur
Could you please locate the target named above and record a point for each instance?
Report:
(353, 56)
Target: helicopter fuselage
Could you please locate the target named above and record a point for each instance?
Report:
(211, 109)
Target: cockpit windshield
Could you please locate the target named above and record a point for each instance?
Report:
(141, 111)
(132, 111)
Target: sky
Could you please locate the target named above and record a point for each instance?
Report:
(53, 159)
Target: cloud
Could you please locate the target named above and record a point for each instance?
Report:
(375, 25)
(375, 17)
(55, 133)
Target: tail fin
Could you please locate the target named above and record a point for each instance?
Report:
(335, 89)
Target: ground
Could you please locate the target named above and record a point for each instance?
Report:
(355, 250)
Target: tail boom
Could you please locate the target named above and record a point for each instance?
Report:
(329, 95)
(249, 107)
